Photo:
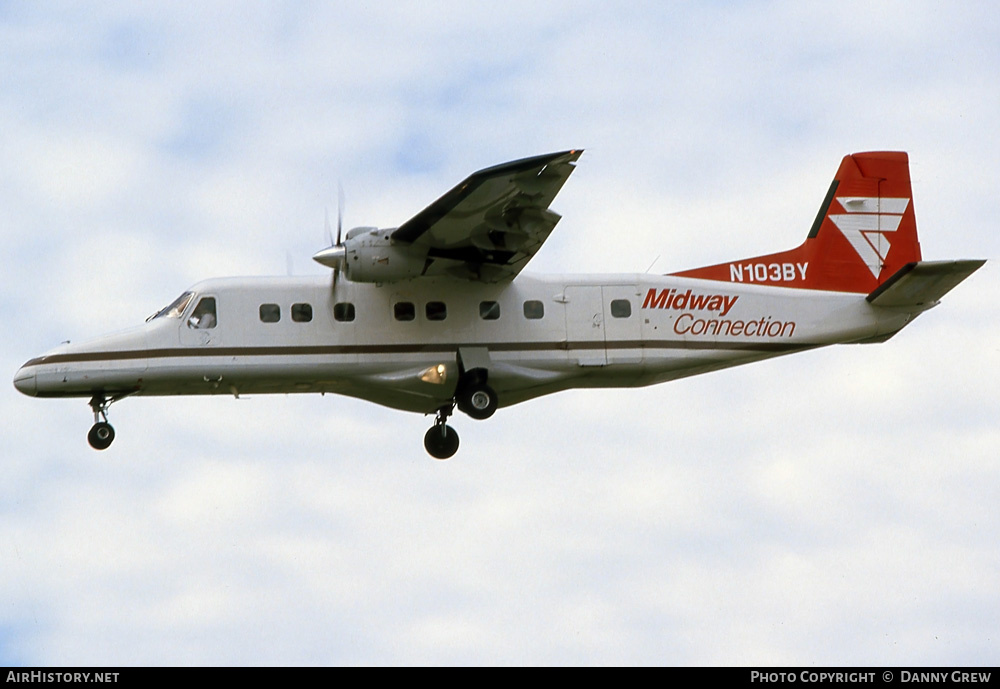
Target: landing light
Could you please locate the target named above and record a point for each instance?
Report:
(435, 374)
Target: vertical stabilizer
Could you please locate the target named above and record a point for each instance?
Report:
(864, 233)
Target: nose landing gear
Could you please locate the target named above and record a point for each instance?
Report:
(101, 433)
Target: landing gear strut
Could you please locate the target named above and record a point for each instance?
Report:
(101, 433)
(441, 441)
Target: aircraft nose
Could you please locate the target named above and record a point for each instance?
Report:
(24, 380)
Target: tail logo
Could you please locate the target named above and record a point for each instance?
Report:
(866, 225)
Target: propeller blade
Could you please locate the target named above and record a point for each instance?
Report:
(335, 255)
(340, 209)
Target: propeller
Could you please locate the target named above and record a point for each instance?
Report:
(335, 255)
(340, 209)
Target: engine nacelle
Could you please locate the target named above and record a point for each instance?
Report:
(371, 256)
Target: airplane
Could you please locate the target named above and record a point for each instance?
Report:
(436, 314)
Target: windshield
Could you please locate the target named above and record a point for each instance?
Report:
(175, 309)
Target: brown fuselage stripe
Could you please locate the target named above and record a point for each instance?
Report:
(317, 350)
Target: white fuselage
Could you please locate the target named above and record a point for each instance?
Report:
(404, 344)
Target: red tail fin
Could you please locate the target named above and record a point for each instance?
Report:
(865, 231)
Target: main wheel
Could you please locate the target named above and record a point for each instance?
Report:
(479, 401)
(100, 436)
(441, 441)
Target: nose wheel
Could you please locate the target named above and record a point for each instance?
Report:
(101, 433)
(100, 436)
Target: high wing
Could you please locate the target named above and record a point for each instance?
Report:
(489, 226)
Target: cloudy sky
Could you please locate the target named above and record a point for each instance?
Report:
(833, 507)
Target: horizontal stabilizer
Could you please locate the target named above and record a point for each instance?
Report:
(922, 282)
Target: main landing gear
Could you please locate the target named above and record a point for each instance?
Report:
(441, 441)
(101, 433)
(478, 400)
(475, 398)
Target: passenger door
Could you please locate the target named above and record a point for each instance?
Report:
(623, 324)
(585, 324)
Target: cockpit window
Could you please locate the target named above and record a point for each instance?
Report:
(203, 316)
(176, 308)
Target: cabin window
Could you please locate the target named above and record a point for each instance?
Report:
(302, 313)
(270, 313)
(343, 311)
(404, 310)
(534, 309)
(203, 316)
(489, 310)
(621, 308)
(436, 311)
